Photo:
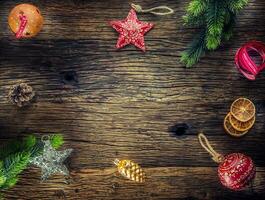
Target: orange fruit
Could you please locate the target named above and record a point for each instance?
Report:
(243, 109)
(241, 126)
(230, 129)
(33, 16)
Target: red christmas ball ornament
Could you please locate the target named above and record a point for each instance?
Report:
(235, 170)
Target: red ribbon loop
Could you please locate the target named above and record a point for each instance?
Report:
(23, 23)
(244, 62)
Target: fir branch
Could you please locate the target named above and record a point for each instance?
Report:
(196, 7)
(15, 163)
(18, 159)
(2, 174)
(57, 140)
(216, 18)
(12, 166)
(236, 5)
(215, 22)
(195, 21)
(9, 183)
(213, 41)
(229, 27)
(195, 51)
(17, 146)
(195, 11)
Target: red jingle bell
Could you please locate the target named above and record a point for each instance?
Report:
(235, 170)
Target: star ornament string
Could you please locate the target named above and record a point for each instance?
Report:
(159, 10)
(51, 161)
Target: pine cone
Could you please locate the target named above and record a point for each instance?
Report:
(130, 170)
(21, 94)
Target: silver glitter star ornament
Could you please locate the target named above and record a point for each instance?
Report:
(51, 161)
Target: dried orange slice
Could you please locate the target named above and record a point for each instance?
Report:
(230, 129)
(243, 109)
(241, 126)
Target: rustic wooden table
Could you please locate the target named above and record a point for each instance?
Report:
(123, 104)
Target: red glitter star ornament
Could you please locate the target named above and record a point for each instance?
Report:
(131, 31)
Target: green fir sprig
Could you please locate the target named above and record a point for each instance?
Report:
(216, 18)
(15, 157)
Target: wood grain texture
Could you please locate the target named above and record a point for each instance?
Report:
(122, 104)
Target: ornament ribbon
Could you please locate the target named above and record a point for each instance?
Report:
(206, 145)
(154, 11)
(23, 23)
(244, 62)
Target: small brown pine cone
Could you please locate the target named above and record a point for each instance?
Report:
(21, 94)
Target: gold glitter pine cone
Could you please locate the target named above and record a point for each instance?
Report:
(21, 94)
(130, 170)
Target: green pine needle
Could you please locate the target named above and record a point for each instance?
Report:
(10, 183)
(29, 142)
(2, 175)
(15, 164)
(229, 27)
(195, 51)
(57, 141)
(215, 18)
(193, 20)
(196, 7)
(212, 41)
(17, 146)
(237, 5)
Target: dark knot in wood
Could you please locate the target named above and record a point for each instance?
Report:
(179, 129)
(69, 77)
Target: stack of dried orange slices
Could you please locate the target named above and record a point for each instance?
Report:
(241, 117)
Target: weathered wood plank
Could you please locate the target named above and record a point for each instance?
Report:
(163, 183)
(111, 104)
